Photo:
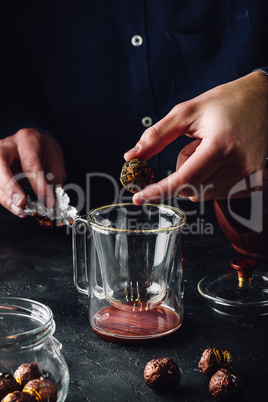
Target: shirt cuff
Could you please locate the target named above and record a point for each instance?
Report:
(264, 69)
(12, 121)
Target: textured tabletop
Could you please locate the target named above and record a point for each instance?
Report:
(36, 263)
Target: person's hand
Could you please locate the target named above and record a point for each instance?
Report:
(230, 124)
(33, 155)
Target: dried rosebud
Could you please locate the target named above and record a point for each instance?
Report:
(213, 359)
(225, 384)
(162, 373)
(136, 175)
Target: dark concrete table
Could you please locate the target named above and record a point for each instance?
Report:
(36, 263)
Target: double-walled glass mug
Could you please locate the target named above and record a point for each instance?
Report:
(128, 260)
(26, 336)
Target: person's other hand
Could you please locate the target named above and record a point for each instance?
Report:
(230, 124)
(33, 155)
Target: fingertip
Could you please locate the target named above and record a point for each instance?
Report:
(22, 216)
(195, 199)
(132, 153)
(16, 210)
(138, 199)
(18, 199)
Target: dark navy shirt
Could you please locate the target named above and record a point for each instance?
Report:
(95, 74)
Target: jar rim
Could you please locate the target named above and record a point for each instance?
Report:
(40, 314)
(158, 207)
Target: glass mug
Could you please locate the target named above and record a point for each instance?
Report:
(128, 260)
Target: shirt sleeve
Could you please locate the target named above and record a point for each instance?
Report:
(264, 69)
(13, 120)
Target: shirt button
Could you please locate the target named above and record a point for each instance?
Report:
(147, 121)
(136, 40)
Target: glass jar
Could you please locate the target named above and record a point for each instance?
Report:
(26, 336)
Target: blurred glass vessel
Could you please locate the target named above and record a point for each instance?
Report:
(244, 221)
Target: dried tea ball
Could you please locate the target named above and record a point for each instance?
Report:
(162, 373)
(213, 359)
(44, 389)
(136, 175)
(18, 396)
(27, 372)
(8, 384)
(225, 384)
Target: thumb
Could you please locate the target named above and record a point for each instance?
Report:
(177, 122)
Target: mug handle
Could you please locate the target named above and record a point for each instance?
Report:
(80, 229)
